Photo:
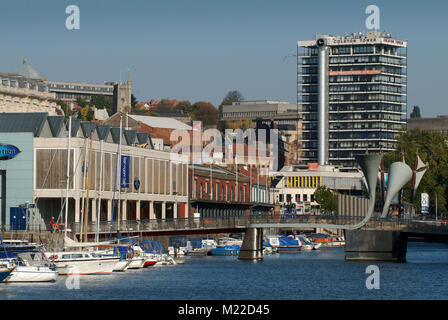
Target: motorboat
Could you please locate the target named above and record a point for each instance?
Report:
(227, 250)
(200, 247)
(288, 244)
(28, 273)
(153, 250)
(307, 245)
(82, 263)
(133, 254)
(337, 241)
(28, 262)
(227, 241)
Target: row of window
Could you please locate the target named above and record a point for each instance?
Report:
(356, 125)
(298, 198)
(367, 87)
(303, 182)
(355, 107)
(367, 97)
(363, 78)
(382, 68)
(221, 191)
(75, 87)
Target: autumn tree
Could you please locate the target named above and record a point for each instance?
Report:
(205, 112)
(86, 114)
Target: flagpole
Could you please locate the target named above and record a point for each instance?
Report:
(119, 183)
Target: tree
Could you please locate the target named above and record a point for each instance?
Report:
(86, 114)
(185, 106)
(231, 96)
(81, 102)
(133, 101)
(102, 102)
(415, 112)
(327, 199)
(205, 112)
(64, 108)
(164, 105)
(234, 96)
(433, 150)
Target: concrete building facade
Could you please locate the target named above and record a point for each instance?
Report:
(26, 91)
(351, 95)
(296, 186)
(155, 186)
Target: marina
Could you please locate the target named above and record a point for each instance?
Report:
(301, 276)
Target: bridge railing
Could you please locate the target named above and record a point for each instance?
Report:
(161, 225)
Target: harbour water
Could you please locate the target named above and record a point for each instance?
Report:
(321, 274)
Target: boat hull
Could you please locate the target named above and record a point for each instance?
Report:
(121, 265)
(288, 249)
(149, 262)
(32, 274)
(136, 263)
(85, 267)
(225, 251)
(4, 274)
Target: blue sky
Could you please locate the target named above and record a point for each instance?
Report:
(199, 50)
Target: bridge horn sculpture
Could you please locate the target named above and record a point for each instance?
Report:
(399, 174)
(253, 244)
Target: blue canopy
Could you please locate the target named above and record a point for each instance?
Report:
(151, 246)
(288, 242)
(196, 243)
(178, 241)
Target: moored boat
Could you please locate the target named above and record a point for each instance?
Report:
(23, 273)
(82, 263)
(28, 262)
(229, 250)
(5, 273)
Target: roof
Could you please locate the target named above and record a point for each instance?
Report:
(26, 71)
(161, 122)
(45, 126)
(23, 122)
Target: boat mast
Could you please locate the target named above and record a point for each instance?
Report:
(86, 212)
(84, 188)
(68, 174)
(99, 194)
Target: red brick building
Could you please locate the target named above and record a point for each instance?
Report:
(217, 192)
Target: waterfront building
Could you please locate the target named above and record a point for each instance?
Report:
(295, 186)
(153, 186)
(216, 191)
(26, 91)
(351, 95)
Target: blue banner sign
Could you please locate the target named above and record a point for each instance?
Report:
(124, 172)
(8, 151)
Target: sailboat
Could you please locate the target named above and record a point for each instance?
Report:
(75, 258)
(26, 262)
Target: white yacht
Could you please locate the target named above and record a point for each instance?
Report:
(24, 272)
(82, 263)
